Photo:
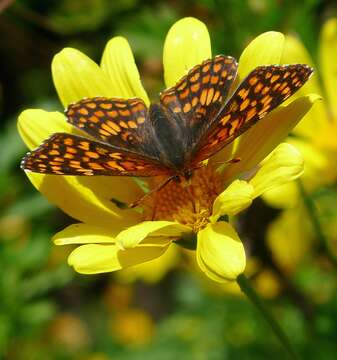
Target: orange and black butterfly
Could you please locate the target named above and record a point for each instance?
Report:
(192, 121)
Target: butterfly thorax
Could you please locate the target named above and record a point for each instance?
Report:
(184, 177)
(172, 139)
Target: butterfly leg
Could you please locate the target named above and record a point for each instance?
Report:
(150, 193)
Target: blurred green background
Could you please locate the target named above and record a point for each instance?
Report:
(49, 312)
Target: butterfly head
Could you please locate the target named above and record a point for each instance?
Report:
(184, 178)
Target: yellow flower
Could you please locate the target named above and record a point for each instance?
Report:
(132, 327)
(315, 137)
(113, 239)
(70, 332)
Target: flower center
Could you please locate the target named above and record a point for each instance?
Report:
(187, 203)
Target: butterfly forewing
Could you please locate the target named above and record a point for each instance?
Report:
(264, 89)
(198, 96)
(119, 122)
(66, 154)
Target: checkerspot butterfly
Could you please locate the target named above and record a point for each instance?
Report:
(192, 121)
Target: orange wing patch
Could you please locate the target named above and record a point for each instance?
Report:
(264, 89)
(66, 154)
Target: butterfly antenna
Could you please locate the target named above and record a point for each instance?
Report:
(150, 193)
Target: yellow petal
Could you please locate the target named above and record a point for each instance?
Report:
(81, 202)
(289, 238)
(295, 53)
(317, 172)
(94, 258)
(237, 196)
(326, 139)
(134, 235)
(284, 164)
(265, 49)
(84, 198)
(316, 162)
(119, 65)
(220, 253)
(282, 197)
(76, 76)
(186, 45)
(35, 125)
(145, 271)
(120, 188)
(264, 136)
(85, 234)
(328, 51)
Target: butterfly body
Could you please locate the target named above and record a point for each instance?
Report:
(193, 120)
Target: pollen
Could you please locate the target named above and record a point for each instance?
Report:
(187, 202)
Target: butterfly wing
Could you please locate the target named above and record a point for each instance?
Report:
(129, 125)
(199, 95)
(119, 122)
(66, 154)
(263, 90)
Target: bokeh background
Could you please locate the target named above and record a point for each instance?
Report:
(170, 311)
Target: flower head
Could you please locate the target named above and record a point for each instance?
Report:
(194, 214)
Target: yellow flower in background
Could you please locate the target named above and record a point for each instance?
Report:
(70, 332)
(132, 327)
(113, 239)
(315, 137)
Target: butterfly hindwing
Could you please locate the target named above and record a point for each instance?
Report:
(263, 90)
(66, 154)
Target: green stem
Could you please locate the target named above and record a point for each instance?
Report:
(314, 218)
(249, 291)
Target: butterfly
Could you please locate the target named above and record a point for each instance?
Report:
(192, 121)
